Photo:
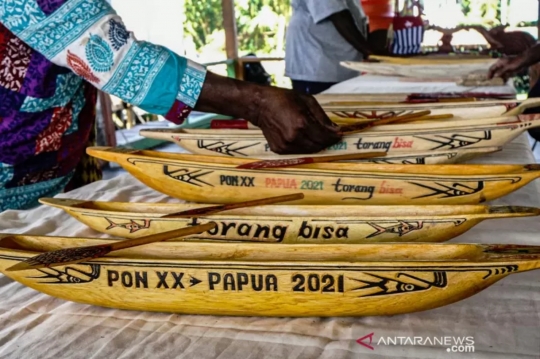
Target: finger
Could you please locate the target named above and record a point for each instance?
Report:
(289, 140)
(321, 117)
(503, 73)
(311, 138)
(321, 137)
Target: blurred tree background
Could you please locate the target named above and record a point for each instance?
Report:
(482, 12)
(261, 26)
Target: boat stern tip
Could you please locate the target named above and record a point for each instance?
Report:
(517, 210)
(513, 252)
(532, 167)
(61, 202)
(108, 153)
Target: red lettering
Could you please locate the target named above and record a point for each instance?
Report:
(400, 143)
(280, 183)
(385, 188)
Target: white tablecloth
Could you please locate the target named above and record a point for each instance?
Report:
(503, 319)
(375, 84)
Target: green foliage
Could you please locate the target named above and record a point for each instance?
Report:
(485, 12)
(203, 17)
(260, 24)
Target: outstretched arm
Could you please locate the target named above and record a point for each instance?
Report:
(509, 66)
(345, 25)
(89, 38)
(492, 41)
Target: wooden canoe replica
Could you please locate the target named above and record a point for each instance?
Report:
(291, 224)
(392, 99)
(428, 70)
(213, 179)
(392, 139)
(267, 280)
(434, 60)
(466, 111)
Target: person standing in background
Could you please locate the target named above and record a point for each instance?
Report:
(320, 35)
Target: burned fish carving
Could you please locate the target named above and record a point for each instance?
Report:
(401, 229)
(69, 275)
(132, 226)
(378, 285)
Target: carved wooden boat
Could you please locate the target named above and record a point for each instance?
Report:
(213, 179)
(291, 224)
(434, 60)
(393, 139)
(391, 99)
(267, 280)
(467, 111)
(419, 70)
(412, 98)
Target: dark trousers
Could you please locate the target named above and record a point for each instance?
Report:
(534, 92)
(310, 87)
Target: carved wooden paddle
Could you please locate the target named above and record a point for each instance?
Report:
(227, 207)
(79, 254)
(289, 162)
(354, 128)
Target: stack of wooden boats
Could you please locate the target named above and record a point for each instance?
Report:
(361, 240)
(451, 133)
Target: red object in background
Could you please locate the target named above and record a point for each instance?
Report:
(232, 124)
(379, 12)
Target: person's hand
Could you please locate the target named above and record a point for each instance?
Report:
(506, 67)
(293, 123)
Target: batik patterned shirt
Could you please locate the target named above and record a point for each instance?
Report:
(54, 54)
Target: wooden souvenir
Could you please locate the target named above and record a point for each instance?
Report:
(268, 280)
(291, 224)
(406, 138)
(474, 110)
(428, 70)
(433, 60)
(214, 179)
(414, 98)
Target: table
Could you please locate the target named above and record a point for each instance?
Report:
(503, 319)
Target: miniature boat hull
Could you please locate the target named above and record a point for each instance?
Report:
(392, 99)
(469, 111)
(419, 71)
(434, 60)
(291, 224)
(207, 179)
(267, 280)
(408, 140)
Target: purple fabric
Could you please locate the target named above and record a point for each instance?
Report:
(50, 6)
(10, 103)
(18, 136)
(40, 79)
